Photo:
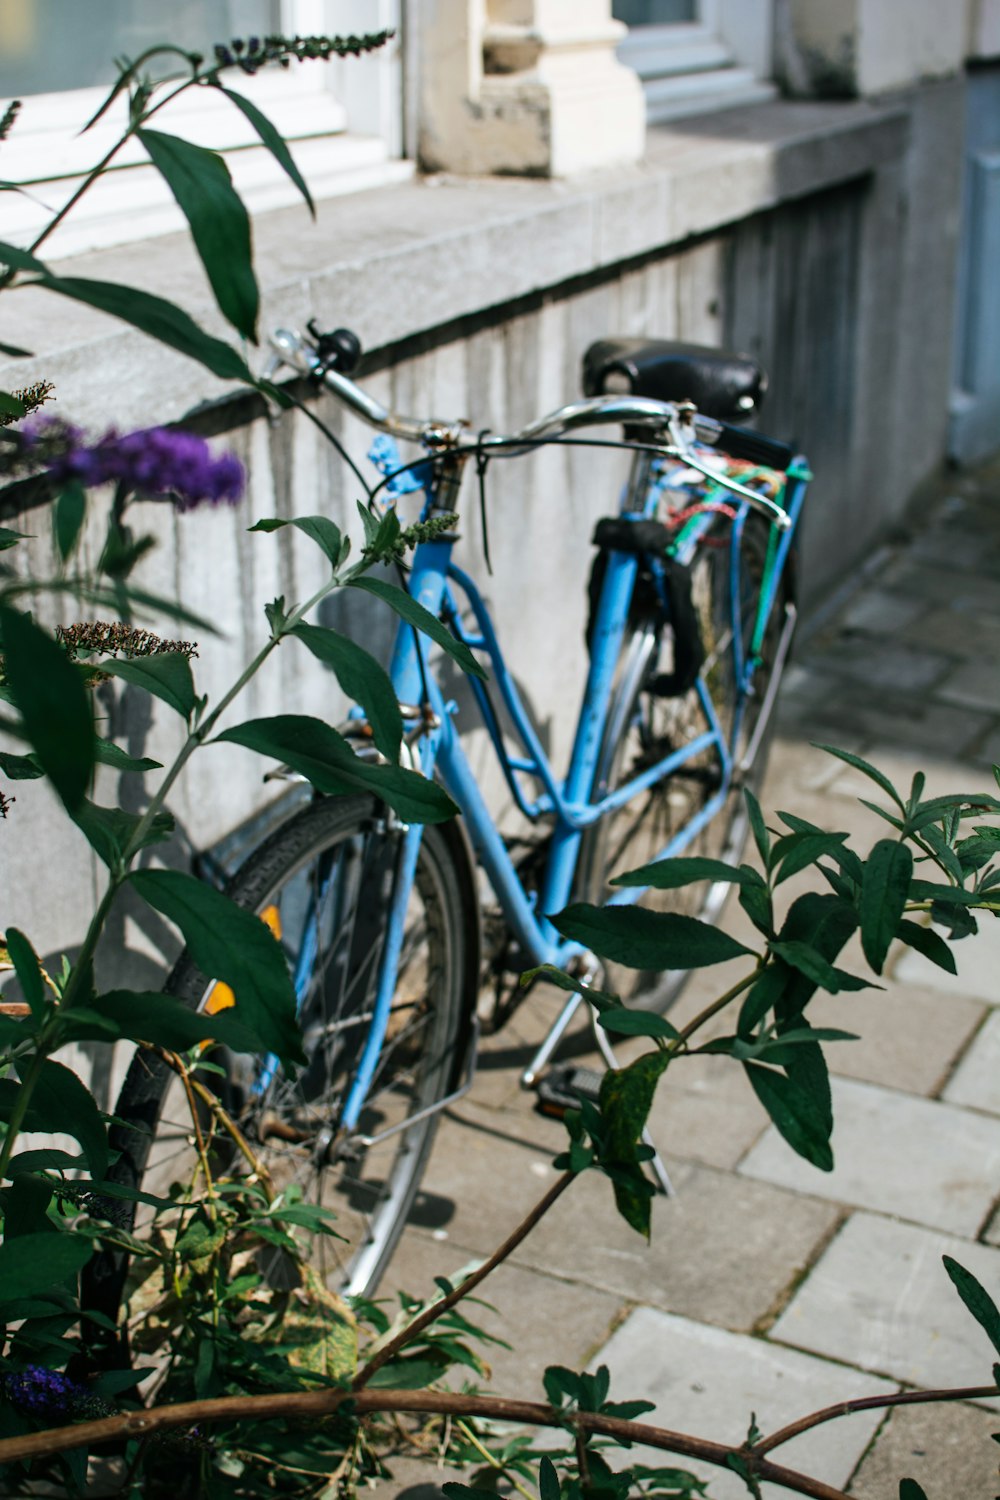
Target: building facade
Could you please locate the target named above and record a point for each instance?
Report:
(511, 180)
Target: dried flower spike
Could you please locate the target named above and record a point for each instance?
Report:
(112, 637)
(31, 398)
(10, 114)
(256, 52)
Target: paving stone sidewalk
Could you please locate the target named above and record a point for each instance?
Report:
(769, 1286)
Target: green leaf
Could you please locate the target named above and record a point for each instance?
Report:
(408, 1374)
(10, 538)
(909, 1489)
(804, 957)
(68, 516)
(763, 996)
(109, 830)
(599, 999)
(362, 679)
(166, 676)
(273, 141)
(319, 753)
(626, 1098)
(868, 770)
(977, 1300)
(755, 899)
(10, 405)
(884, 890)
(797, 850)
(794, 1114)
(54, 704)
(167, 1022)
(66, 1103)
(20, 767)
(627, 1022)
(34, 1263)
(642, 939)
(323, 532)
(548, 1480)
(107, 753)
(931, 944)
(44, 1160)
(415, 614)
(155, 316)
(235, 946)
(20, 260)
(758, 827)
(220, 226)
(668, 874)
(28, 971)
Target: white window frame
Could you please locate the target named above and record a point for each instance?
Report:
(721, 60)
(343, 119)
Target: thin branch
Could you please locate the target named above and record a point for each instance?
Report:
(710, 1010)
(867, 1403)
(315, 1404)
(432, 1313)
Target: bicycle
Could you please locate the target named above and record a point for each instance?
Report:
(692, 614)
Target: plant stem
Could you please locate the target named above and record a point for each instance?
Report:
(430, 1314)
(314, 1404)
(200, 733)
(491, 1459)
(711, 1010)
(867, 1403)
(20, 1109)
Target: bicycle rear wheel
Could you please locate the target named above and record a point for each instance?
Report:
(324, 880)
(643, 728)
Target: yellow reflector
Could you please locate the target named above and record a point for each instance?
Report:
(221, 996)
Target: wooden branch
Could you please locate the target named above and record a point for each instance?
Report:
(868, 1403)
(298, 1404)
(430, 1314)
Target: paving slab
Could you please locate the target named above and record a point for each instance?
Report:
(909, 1038)
(880, 1298)
(725, 1249)
(543, 1317)
(948, 1450)
(977, 961)
(975, 682)
(707, 1382)
(976, 1080)
(933, 1163)
(875, 666)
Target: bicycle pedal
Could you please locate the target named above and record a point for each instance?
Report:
(563, 1088)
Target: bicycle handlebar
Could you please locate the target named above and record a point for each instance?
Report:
(681, 424)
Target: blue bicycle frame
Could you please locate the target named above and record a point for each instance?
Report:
(441, 587)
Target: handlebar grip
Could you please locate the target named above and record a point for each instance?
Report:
(740, 442)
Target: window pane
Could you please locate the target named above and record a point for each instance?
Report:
(654, 12)
(48, 45)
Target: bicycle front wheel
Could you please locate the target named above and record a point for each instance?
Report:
(643, 728)
(323, 884)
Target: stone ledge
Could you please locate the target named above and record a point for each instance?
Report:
(402, 260)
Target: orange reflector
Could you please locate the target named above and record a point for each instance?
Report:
(221, 996)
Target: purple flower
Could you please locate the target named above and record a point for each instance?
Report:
(157, 462)
(38, 1392)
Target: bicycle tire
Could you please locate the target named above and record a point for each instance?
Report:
(292, 1124)
(642, 728)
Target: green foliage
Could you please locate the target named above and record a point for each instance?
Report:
(56, 714)
(233, 945)
(220, 226)
(325, 758)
